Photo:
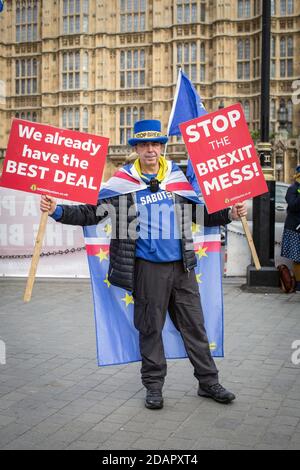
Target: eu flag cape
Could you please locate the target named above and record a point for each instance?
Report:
(116, 337)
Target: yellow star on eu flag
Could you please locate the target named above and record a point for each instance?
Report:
(201, 252)
(198, 277)
(128, 299)
(212, 346)
(195, 227)
(107, 229)
(107, 281)
(102, 255)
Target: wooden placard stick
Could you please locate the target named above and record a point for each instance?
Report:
(36, 256)
(250, 243)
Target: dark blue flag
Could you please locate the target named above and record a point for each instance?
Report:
(187, 105)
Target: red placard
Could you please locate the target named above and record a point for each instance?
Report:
(224, 158)
(61, 163)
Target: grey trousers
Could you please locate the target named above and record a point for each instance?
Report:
(166, 286)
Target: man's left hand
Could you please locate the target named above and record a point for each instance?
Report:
(239, 210)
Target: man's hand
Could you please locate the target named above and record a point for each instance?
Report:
(239, 210)
(48, 203)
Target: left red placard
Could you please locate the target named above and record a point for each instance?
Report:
(62, 163)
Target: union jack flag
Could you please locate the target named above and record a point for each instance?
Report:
(127, 180)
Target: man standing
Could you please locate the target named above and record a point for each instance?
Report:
(157, 266)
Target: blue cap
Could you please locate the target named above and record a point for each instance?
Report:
(148, 130)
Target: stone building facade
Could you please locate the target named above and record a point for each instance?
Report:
(99, 65)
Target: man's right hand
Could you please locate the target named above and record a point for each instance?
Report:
(48, 203)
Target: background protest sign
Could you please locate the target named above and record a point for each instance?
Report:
(63, 254)
(57, 162)
(224, 158)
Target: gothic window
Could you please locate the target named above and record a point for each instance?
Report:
(26, 73)
(132, 15)
(243, 59)
(128, 117)
(75, 70)
(75, 16)
(187, 59)
(132, 68)
(286, 57)
(75, 119)
(26, 20)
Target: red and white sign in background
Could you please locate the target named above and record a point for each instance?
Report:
(19, 223)
(224, 158)
(61, 163)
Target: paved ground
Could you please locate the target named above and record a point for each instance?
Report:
(53, 396)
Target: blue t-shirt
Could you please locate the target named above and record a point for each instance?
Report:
(159, 239)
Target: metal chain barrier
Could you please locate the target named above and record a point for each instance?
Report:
(50, 253)
(83, 248)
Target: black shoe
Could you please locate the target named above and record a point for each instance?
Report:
(154, 400)
(216, 392)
